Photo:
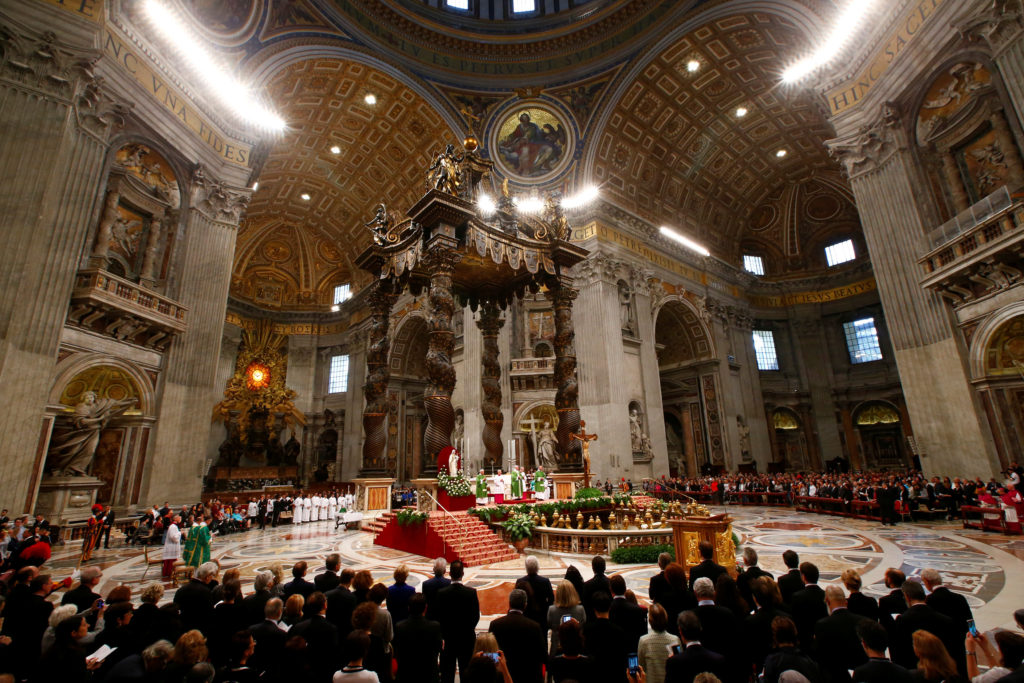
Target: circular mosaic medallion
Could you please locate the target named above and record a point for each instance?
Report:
(532, 141)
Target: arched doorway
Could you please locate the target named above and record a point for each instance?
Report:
(880, 430)
(407, 418)
(689, 387)
(997, 366)
(790, 442)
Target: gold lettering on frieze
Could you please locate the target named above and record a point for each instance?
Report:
(120, 50)
(850, 93)
(819, 297)
(90, 9)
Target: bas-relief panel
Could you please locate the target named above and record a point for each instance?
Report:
(948, 95)
(982, 165)
(541, 326)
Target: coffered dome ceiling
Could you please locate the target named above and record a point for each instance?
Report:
(662, 141)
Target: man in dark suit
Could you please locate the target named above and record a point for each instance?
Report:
(942, 599)
(808, 605)
(624, 614)
(82, 596)
(431, 586)
(751, 572)
(894, 602)
(708, 567)
(720, 628)
(790, 582)
(459, 608)
(256, 602)
(298, 584)
(595, 585)
(341, 602)
(321, 638)
(328, 579)
(919, 616)
(694, 657)
(195, 599)
(878, 668)
(417, 644)
(837, 646)
(604, 642)
(658, 585)
(270, 639)
(522, 641)
(28, 622)
(542, 598)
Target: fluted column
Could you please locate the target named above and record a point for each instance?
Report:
(375, 414)
(190, 384)
(56, 120)
(437, 397)
(940, 398)
(562, 294)
(490, 324)
(1001, 29)
(101, 247)
(352, 433)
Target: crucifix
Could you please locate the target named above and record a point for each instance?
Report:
(585, 440)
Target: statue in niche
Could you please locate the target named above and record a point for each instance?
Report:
(230, 449)
(546, 445)
(459, 431)
(71, 453)
(744, 431)
(445, 174)
(291, 451)
(641, 443)
(625, 307)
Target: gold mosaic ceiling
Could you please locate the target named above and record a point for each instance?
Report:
(673, 150)
(383, 151)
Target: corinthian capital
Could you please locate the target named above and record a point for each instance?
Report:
(998, 26)
(865, 150)
(216, 200)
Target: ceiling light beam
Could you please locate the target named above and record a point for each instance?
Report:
(685, 241)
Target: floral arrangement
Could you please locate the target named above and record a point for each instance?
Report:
(456, 486)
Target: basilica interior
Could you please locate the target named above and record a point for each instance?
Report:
(190, 187)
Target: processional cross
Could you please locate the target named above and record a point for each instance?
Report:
(585, 440)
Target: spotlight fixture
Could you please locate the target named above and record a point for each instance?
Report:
(581, 198)
(305, 196)
(847, 24)
(529, 204)
(232, 92)
(370, 99)
(781, 153)
(335, 150)
(693, 66)
(486, 205)
(741, 112)
(685, 241)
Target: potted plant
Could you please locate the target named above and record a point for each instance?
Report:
(519, 529)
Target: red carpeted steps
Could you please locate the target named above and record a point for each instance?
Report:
(459, 536)
(376, 525)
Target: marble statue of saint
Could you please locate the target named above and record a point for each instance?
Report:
(453, 462)
(546, 446)
(744, 431)
(641, 442)
(625, 307)
(72, 452)
(459, 431)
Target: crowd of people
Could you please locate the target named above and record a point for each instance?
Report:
(910, 488)
(341, 625)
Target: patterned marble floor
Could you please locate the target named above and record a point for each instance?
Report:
(987, 568)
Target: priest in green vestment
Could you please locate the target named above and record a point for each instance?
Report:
(540, 484)
(197, 543)
(517, 484)
(481, 488)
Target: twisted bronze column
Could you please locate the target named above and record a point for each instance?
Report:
(437, 397)
(567, 404)
(381, 300)
(490, 381)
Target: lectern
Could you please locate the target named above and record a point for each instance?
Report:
(688, 532)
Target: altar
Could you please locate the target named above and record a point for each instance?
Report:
(689, 531)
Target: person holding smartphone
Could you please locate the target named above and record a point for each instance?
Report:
(487, 665)
(1005, 657)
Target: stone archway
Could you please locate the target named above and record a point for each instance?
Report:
(880, 430)
(997, 368)
(689, 383)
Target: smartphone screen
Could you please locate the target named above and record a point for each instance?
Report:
(634, 663)
(972, 628)
(566, 617)
(493, 656)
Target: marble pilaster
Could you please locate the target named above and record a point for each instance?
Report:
(190, 381)
(352, 437)
(56, 119)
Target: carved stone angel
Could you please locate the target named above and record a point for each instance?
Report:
(445, 174)
(380, 226)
